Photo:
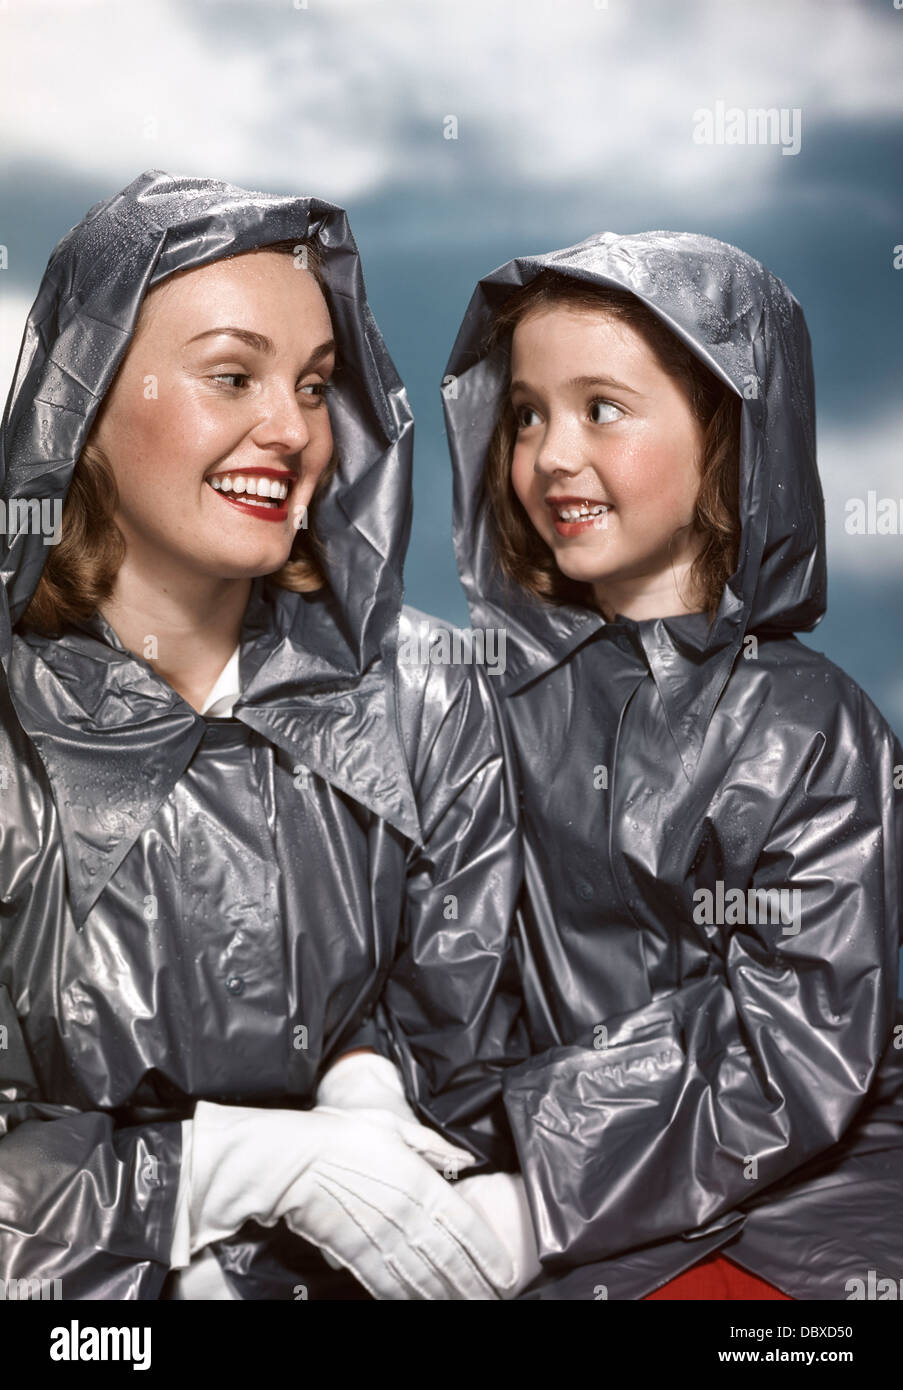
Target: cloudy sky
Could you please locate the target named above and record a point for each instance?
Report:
(573, 117)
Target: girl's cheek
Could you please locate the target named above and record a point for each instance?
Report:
(520, 479)
(651, 478)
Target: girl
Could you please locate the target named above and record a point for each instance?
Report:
(712, 815)
(238, 840)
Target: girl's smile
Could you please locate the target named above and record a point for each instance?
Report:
(572, 516)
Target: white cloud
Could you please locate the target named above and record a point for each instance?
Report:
(348, 95)
(13, 313)
(855, 460)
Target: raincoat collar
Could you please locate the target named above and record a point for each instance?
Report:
(688, 677)
(748, 329)
(325, 721)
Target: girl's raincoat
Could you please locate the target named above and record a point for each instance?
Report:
(716, 1068)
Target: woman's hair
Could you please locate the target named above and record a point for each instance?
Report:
(81, 570)
(520, 551)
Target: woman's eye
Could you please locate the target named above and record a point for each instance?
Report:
(232, 379)
(318, 388)
(604, 412)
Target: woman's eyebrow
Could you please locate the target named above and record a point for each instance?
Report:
(261, 343)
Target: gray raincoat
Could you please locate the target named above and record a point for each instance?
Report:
(704, 1079)
(218, 908)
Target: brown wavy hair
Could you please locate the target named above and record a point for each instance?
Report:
(81, 570)
(520, 551)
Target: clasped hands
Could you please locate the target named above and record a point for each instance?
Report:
(362, 1179)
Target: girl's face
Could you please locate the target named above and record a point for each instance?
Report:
(223, 383)
(606, 458)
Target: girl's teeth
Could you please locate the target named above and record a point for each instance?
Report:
(583, 512)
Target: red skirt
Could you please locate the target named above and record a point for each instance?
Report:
(717, 1278)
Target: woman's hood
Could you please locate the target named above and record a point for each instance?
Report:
(80, 327)
(746, 326)
(316, 670)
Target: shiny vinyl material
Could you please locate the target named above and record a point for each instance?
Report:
(699, 1086)
(217, 908)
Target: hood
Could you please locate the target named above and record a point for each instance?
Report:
(313, 667)
(746, 326)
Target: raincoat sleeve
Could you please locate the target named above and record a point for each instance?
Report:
(703, 1098)
(450, 1007)
(82, 1199)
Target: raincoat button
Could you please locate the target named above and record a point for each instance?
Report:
(235, 984)
(584, 890)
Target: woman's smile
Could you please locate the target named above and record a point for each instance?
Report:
(241, 353)
(258, 492)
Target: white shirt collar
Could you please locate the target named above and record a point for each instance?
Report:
(226, 690)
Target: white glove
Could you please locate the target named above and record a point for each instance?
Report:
(358, 1081)
(180, 1255)
(371, 1085)
(364, 1193)
(502, 1199)
(365, 1081)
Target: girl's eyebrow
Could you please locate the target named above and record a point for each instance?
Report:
(583, 381)
(603, 381)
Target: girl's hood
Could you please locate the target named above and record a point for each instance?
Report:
(746, 326)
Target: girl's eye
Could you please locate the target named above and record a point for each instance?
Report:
(604, 412)
(520, 412)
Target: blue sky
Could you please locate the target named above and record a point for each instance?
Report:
(574, 117)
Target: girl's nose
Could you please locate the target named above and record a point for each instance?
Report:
(559, 451)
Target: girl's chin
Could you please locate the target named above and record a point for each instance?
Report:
(584, 569)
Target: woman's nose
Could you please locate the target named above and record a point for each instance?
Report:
(284, 426)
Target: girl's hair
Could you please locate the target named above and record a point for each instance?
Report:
(520, 551)
(81, 570)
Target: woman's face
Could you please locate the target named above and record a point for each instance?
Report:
(224, 381)
(606, 457)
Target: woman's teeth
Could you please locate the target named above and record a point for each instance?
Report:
(582, 512)
(252, 486)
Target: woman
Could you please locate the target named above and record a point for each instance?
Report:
(239, 840)
(716, 1066)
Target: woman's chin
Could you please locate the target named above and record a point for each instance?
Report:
(250, 563)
